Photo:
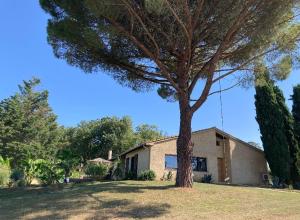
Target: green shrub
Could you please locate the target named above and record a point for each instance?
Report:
(167, 176)
(17, 178)
(207, 178)
(48, 172)
(30, 170)
(147, 175)
(129, 175)
(4, 172)
(76, 174)
(96, 171)
(18, 183)
(16, 175)
(170, 176)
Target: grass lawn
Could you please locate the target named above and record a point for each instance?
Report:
(142, 200)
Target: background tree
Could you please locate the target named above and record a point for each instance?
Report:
(91, 139)
(173, 44)
(95, 138)
(271, 122)
(145, 133)
(28, 127)
(68, 159)
(114, 134)
(81, 140)
(296, 116)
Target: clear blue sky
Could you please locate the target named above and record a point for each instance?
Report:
(76, 96)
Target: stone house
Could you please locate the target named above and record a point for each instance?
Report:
(226, 158)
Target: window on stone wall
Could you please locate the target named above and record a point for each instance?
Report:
(199, 164)
(171, 161)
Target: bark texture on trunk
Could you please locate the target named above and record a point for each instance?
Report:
(184, 145)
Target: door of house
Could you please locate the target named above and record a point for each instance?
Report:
(134, 165)
(127, 165)
(221, 170)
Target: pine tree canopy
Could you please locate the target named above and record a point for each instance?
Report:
(173, 43)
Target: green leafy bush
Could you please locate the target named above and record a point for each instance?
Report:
(96, 171)
(4, 172)
(76, 174)
(29, 169)
(48, 172)
(147, 175)
(69, 161)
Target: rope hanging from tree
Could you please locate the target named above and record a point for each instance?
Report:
(221, 104)
(222, 128)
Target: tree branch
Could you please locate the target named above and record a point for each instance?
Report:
(132, 11)
(223, 90)
(203, 95)
(226, 41)
(179, 20)
(165, 72)
(197, 13)
(244, 64)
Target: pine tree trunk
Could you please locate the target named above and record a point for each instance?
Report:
(184, 146)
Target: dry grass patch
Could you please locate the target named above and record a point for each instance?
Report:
(148, 200)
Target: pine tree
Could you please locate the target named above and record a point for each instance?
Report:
(272, 124)
(296, 116)
(174, 47)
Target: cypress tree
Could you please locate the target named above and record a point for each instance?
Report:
(271, 124)
(296, 116)
(289, 132)
(28, 127)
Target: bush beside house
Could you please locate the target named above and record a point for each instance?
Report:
(147, 175)
(96, 171)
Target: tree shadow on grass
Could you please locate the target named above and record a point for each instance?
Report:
(84, 201)
(131, 209)
(146, 211)
(109, 186)
(111, 209)
(124, 187)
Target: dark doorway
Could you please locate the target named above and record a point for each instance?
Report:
(134, 165)
(127, 165)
